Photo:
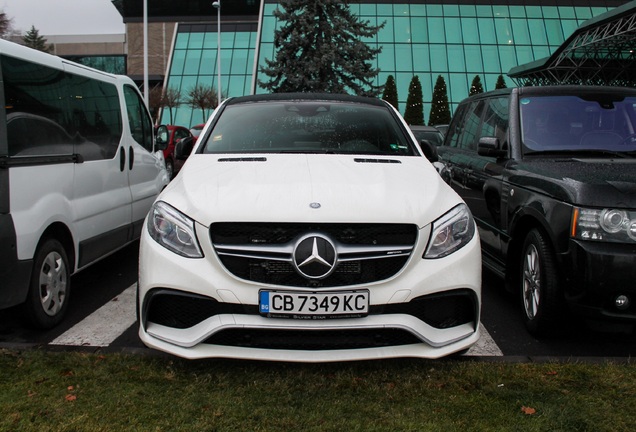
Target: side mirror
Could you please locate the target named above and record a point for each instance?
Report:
(161, 137)
(490, 146)
(183, 148)
(429, 150)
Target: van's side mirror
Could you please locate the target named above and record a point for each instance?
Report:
(490, 146)
(161, 137)
(183, 148)
(429, 150)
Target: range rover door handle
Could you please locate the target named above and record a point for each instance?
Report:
(122, 159)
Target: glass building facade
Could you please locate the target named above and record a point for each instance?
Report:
(425, 38)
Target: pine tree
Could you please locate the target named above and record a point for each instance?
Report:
(476, 87)
(440, 109)
(501, 83)
(414, 114)
(32, 39)
(5, 25)
(319, 48)
(390, 93)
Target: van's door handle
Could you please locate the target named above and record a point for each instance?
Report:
(122, 159)
(131, 158)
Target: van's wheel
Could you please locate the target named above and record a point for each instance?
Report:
(170, 168)
(540, 291)
(47, 300)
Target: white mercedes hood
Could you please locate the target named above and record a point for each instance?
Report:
(309, 188)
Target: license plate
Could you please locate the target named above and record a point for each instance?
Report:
(287, 304)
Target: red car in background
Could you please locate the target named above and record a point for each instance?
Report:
(176, 134)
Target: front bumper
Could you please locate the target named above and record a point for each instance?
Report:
(596, 274)
(234, 329)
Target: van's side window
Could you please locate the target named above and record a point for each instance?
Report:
(36, 109)
(50, 112)
(96, 117)
(138, 120)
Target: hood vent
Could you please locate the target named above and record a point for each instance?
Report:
(385, 161)
(243, 159)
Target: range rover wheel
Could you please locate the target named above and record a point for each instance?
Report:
(50, 285)
(540, 292)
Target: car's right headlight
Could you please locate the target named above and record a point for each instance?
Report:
(604, 225)
(173, 230)
(450, 232)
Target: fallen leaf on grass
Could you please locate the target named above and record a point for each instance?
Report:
(528, 410)
(70, 397)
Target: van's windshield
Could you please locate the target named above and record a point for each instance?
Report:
(573, 124)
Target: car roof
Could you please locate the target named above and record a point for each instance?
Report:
(296, 97)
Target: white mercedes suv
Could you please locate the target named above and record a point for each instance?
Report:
(309, 228)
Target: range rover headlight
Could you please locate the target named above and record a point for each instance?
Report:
(609, 225)
(450, 232)
(173, 230)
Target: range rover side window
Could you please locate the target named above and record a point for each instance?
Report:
(471, 126)
(496, 120)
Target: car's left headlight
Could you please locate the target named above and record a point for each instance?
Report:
(604, 225)
(450, 232)
(173, 230)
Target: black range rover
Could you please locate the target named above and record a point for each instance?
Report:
(549, 174)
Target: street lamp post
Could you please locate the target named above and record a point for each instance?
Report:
(217, 5)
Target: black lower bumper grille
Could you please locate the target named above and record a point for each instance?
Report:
(313, 340)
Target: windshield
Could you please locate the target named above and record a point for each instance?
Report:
(307, 127)
(570, 123)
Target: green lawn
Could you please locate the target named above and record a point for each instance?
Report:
(62, 391)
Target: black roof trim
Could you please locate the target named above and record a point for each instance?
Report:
(330, 97)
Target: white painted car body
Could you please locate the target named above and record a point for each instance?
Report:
(306, 189)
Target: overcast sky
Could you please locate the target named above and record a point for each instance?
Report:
(64, 17)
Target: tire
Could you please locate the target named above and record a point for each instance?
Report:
(170, 168)
(539, 285)
(50, 286)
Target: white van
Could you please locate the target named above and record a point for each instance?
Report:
(79, 170)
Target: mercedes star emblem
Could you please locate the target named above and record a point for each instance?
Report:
(315, 256)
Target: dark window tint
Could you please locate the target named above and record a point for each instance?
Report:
(50, 112)
(496, 119)
(308, 127)
(470, 126)
(138, 119)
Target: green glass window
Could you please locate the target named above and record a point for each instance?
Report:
(484, 11)
(451, 10)
(418, 10)
(434, 10)
(566, 12)
(439, 60)
(473, 59)
(385, 9)
(402, 30)
(537, 32)
(554, 31)
(517, 11)
(419, 31)
(504, 31)
(436, 30)
(453, 30)
(421, 59)
(192, 61)
(486, 30)
(520, 31)
(534, 11)
(456, 60)
(501, 11)
(367, 10)
(467, 11)
(403, 57)
(491, 58)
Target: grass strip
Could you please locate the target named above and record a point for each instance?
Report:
(70, 391)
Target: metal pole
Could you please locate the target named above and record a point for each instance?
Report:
(217, 5)
(146, 52)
